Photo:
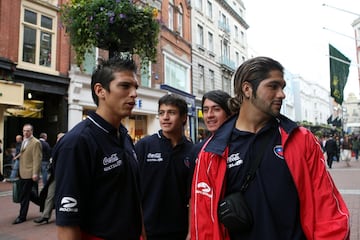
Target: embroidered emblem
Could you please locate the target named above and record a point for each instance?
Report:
(278, 150)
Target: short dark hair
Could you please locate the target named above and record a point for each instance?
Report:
(219, 97)
(104, 73)
(175, 100)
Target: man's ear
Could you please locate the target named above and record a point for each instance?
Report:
(247, 90)
(99, 90)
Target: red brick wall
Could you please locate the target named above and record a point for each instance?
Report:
(9, 29)
(180, 46)
(63, 58)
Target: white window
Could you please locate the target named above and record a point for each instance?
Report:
(201, 77)
(225, 49)
(200, 35)
(199, 5)
(37, 37)
(177, 74)
(211, 84)
(227, 84)
(180, 21)
(145, 74)
(236, 32)
(171, 15)
(211, 42)
(237, 55)
(209, 11)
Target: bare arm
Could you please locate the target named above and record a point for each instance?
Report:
(188, 237)
(68, 233)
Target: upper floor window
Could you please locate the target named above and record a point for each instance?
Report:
(236, 32)
(211, 42)
(209, 11)
(198, 5)
(242, 37)
(237, 56)
(38, 34)
(226, 84)
(201, 77)
(225, 49)
(211, 85)
(180, 21)
(171, 15)
(145, 72)
(200, 35)
(177, 74)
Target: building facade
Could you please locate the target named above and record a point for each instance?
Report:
(356, 26)
(351, 114)
(219, 46)
(34, 52)
(311, 101)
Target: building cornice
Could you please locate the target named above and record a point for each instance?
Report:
(233, 13)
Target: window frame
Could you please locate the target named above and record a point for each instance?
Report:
(171, 15)
(40, 11)
(180, 19)
(200, 35)
(185, 65)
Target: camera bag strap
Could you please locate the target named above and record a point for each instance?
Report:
(254, 164)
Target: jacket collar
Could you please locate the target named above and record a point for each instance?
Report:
(220, 139)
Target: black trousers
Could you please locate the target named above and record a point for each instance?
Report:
(330, 159)
(29, 193)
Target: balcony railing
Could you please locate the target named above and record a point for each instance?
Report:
(224, 26)
(226, 62)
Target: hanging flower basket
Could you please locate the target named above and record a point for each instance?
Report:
(114, 25)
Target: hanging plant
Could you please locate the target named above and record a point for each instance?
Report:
(114, 25)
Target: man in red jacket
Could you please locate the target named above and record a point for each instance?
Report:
(292, 195)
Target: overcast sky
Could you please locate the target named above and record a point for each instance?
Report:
(293, 33)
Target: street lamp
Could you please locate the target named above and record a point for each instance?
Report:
(340, 9)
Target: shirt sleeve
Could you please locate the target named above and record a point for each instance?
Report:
(72, 173)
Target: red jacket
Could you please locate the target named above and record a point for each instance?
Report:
(323, 212)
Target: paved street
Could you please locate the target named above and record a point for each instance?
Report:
(347, 180)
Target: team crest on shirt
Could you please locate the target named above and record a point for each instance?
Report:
(187, 162)
(278, 150)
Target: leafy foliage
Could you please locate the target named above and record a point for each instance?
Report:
(118, 25)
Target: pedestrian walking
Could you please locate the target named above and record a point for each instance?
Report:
(47, 194)
(356, 147)
(331, 150)
(15, 167)
(46, 153)
(29, 169)
(345, 150)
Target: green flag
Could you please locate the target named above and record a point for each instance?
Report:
(339, 71)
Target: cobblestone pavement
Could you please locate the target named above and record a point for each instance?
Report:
(347, 179)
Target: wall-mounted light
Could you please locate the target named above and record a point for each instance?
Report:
(29, 95)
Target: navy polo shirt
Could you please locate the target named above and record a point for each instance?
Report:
(271, 195)
(165, 175)
(97, 181)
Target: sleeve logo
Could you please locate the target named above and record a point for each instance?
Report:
(68, 204)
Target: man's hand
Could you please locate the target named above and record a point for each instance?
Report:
(35, 178)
